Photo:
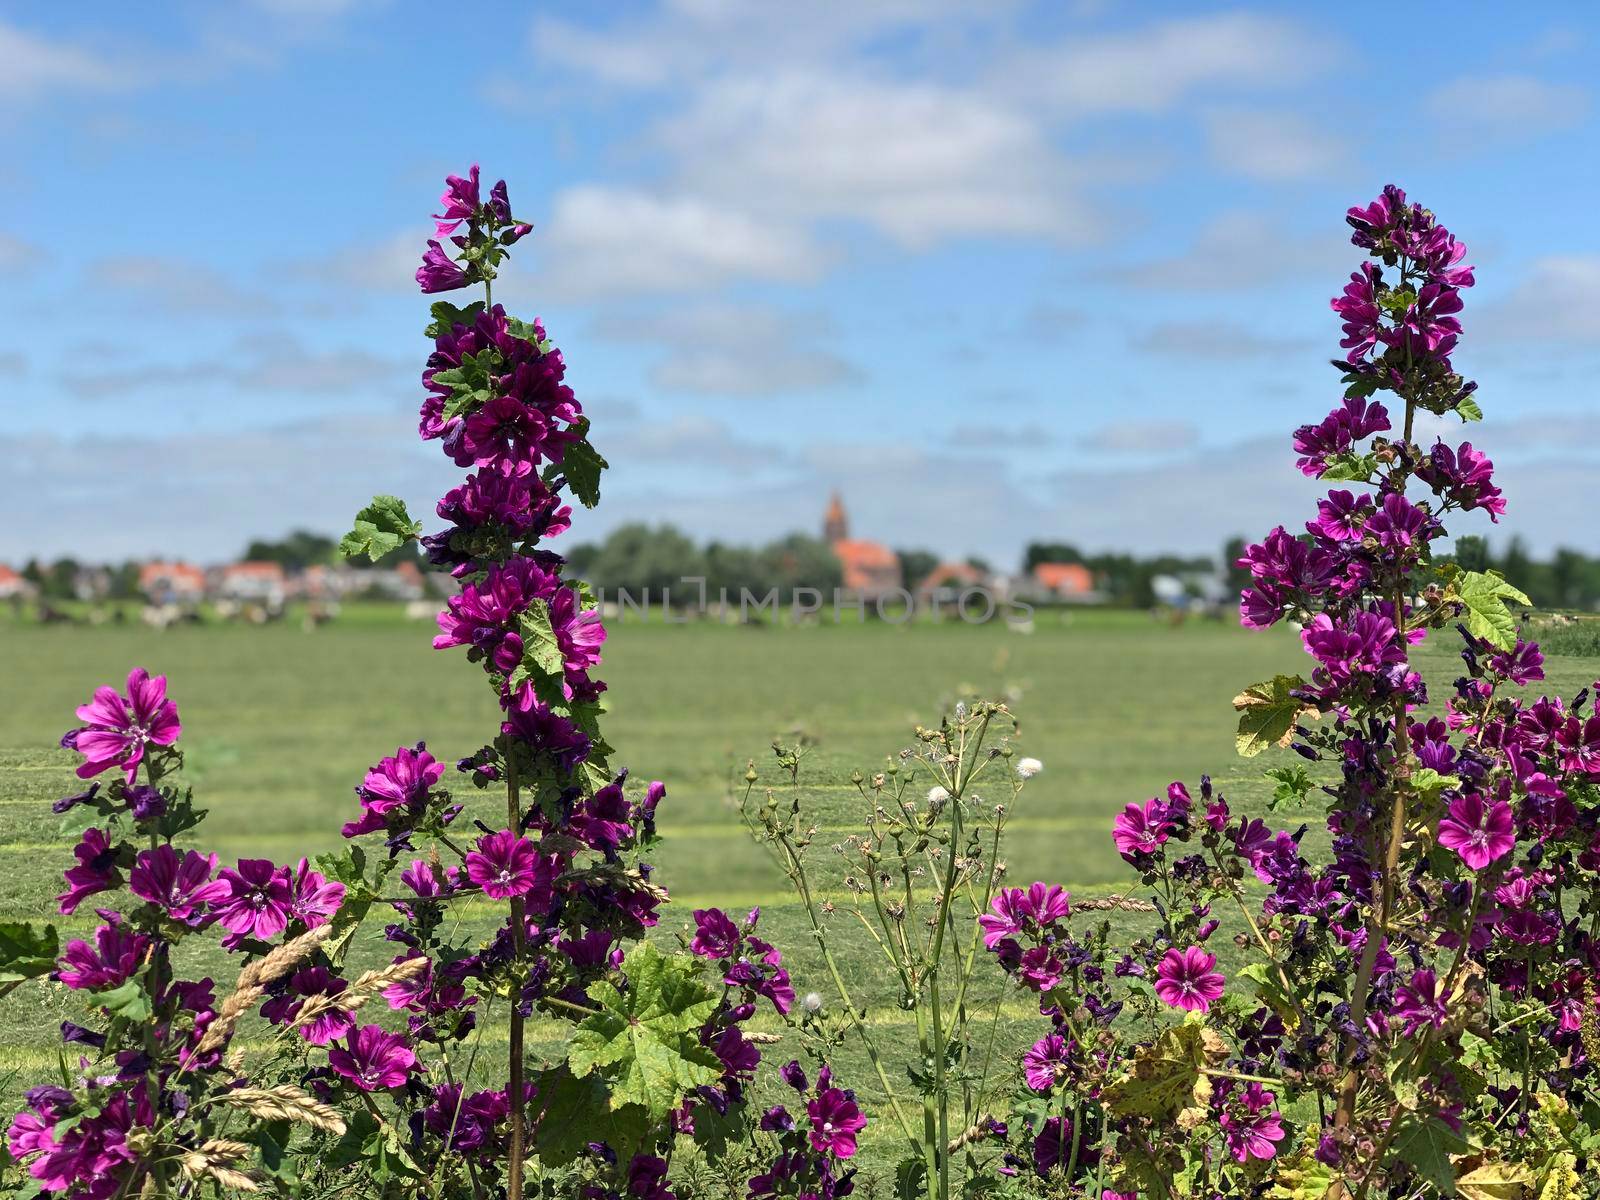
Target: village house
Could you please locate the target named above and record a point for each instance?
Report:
(869, 568)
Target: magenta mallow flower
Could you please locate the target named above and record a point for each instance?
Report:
(181, 886)
(1045, 1062)
(120, 729)
(1400, 525)
(1015, 911)
(1465, 477)
(506, 865)
(1341, 516)
(1478, 831)
(313, 898)
(1185, 979)
(117, 953)
(460, 202)
(1252, 1125)
(401, 781)
(372, 1058)
(92, 1156)
(1421, 1002)
(1141, 828)
(96, 870)
(835, 1121)
(483, 615)
(715, 936)
(258, 900)
(304, 985)
(1338, 433)
(1359, 643)
(439, 272)
(1358, 308)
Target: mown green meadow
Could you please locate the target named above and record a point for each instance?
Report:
(280, 724)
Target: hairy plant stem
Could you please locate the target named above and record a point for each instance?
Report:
(516, 1141)
(1400, 775)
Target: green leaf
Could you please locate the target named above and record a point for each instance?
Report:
(1270, 991)
(127, 1001)
(645, 1040)
(1484, 595)
(581, 464)
(1430, 783)
(1293, 786)
(568, 1113)
(1354, 467)
(1168, 1075)
(1497, 1181)
(1427, 1146)
(446, 315)
(1467, 409)
(381, 527)
(1267, 713)
(26, 951)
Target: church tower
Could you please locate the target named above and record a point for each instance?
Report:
(835, 526)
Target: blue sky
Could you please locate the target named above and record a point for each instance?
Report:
(998, 272)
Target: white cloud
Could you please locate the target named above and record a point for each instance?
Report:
(1153, 68)
(1475, 109)
(1142, 437)
(604, 241)
(740, 350)
(1274, 147)
(1558, 301)
(32, 66)
(918, 162)
(175, 284)
(1214, 339)
(1240, 250)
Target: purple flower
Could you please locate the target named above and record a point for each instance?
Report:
(546, 731)
(180, 887)
(1052, 1146)
(1338, 433)
(1522, 664)
(119, 730)
(460, 202)
(506, 864)
(1015, 910)
(1045, 1063)
(1420, 1003)
(715, 936)
(438, 272)
(1400, 525)
(1360, 643)
(1465, 477)
(1358, 308)
(313, 899)
(373, 1059)
(96, 870)
(116, 954)
(1341, 516)
(1253, 1126)
(1185, 979)
(1478, 832)
(304, 985)
(835, 1121)
(1140, 828)
(401, 781)
(258, 900)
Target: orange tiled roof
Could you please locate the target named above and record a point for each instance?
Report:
(854, 553)
(254, 570)
(1064, 577)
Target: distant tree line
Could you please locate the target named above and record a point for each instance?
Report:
(1124, 579)
(637, 557)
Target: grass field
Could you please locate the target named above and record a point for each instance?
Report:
(279, 725)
